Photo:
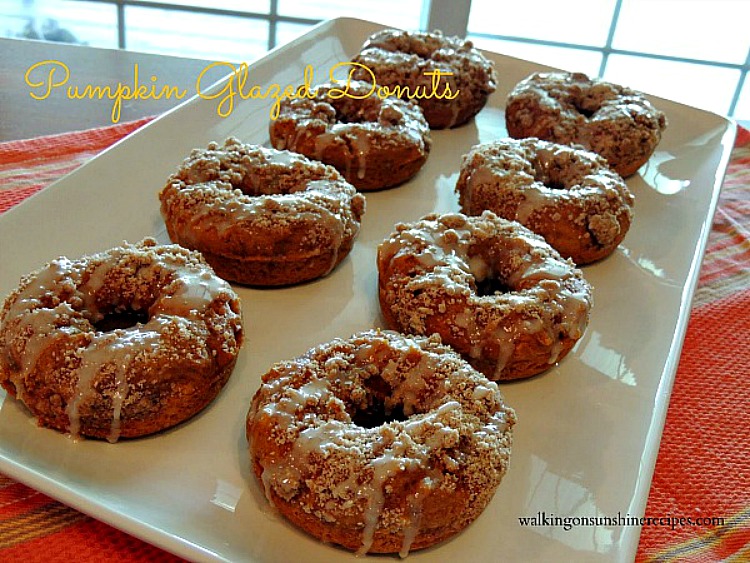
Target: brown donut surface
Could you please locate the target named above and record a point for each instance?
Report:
(613, 121)
(405, 59)
(569, 196)
(492, 289)
(380, 443)
(122, 343)
(374, 143)
(261, 216)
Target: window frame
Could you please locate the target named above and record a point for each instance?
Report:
(450, 16)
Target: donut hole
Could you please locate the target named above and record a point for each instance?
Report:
(550, 170)
(491, 286)
(277, 180)
(586, 105)
(551, 181)
(122, 319)
(377, 413)
(586, 112)
(378, 410)
(555, 184)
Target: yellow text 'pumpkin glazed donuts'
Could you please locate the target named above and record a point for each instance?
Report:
(375, 143)
(379, 443)
(569, 196)
(427, 63)
(261, 216)
(492, 289)
(615, 122)
(122, 343)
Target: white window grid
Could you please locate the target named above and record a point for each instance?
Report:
(272, 16)
(607, 50)
(451, 16)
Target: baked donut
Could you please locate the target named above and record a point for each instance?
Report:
(616, 122)
(380, 443)
(122, 343)
(570, 196)
(261, 216)
(492, 289)
(374, 143)
(421, 66)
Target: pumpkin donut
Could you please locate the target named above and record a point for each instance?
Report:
(379, 443)
(492, 289)
(374, 143)
(409, 62)
(613, 121)
(568, 195)
(261, 216)
(122, 343)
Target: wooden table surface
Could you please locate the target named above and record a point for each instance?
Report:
(23, 117)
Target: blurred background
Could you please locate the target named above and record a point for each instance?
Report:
(693, 51)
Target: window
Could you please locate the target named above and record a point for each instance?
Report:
(693, 51)
(227, 30)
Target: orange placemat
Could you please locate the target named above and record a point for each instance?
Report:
(29, 165)
(702, 469)
(33, 527)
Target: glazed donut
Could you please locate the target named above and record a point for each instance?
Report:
(492, 289)
(568, 195)
(400, 59)
(374, 143)
(122, 343)
(615, 122)
(261, 216)
(381, 443)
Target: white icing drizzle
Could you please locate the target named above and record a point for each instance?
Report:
(392, 462)
(313, 391)
(118, 352)
(312, 207)
(315, 450)
(355, 135)
(195, 290)
(547, 268)
(39, 323)
(450, 252)
(361, 143)
(118, 400)
(265, 197)
(414, 510)
(35, 319)
(322, 142)
(281, 157)
(283, 478)
(267, 490)
(506, 344)
(93, 286)
(497, 424)
(534, 198)
(415, 382)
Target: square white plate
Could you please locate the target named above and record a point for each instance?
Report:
(588, 430)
